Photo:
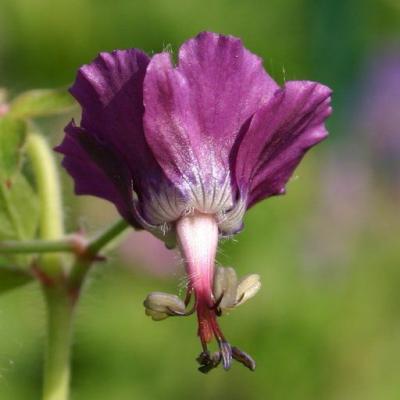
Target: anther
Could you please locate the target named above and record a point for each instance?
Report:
(208, 361)
(226, 354)
(162, 305)
(243, 358)
(225, 287)
(247, 288)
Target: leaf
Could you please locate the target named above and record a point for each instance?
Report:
(12, 138)
(41, 103)
(19, 209)
(11, 278)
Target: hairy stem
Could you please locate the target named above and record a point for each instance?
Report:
(60, 310)
(108, 235)
(48, 186)
(97, 243)
(72, 243)
(61, 287)
(37, 246)
(58, 301)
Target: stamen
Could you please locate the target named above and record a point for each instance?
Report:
(226, 354)
(247, 288)
(160, 305)
(217, 303)
(208, 361)
(243, 358)
(225, 286)
(188, 295)
(198, 237)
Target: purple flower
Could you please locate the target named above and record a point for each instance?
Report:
(183, 151)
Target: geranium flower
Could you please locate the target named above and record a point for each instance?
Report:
(183, 151)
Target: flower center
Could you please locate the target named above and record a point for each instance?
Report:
(215, 291)
(198, 239)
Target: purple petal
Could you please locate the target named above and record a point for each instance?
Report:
(110, 91)
(194, 111)
(97, 170)
(278, 136)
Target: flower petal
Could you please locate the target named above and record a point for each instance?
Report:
(195, 110)
(277, 138)
(110, 91)
(97, 171)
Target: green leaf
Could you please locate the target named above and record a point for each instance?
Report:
(12, 138)
(11, 278)
(19, 212)
(41, 103)
(19, 209)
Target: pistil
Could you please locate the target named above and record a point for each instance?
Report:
(198, 240)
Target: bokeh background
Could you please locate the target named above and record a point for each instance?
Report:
(326, 324)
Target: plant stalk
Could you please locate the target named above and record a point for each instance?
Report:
(51, 225)
(36, 246)
(60, 313)
(59, 303)
(108, 235)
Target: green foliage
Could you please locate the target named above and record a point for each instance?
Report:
(326, 324)
(18, 202)
(12, 138)
(19, 208)
(41, 103)
(11, 278)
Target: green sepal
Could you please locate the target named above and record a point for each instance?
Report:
(41, 103)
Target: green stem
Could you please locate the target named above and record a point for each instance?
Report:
(49, 190)
(37, 246)
(60, 310)
(105, 237)
(67, 244)
(60, 293)
(59, 303)
(82, 264)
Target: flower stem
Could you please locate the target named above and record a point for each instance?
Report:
(59, 303)
(51, 225)
(60, 310)
(109, 234)
(68, 244)
(61, 287)
(37, 246)
(84, 261)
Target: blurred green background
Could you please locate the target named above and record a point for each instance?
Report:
(326, 324)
